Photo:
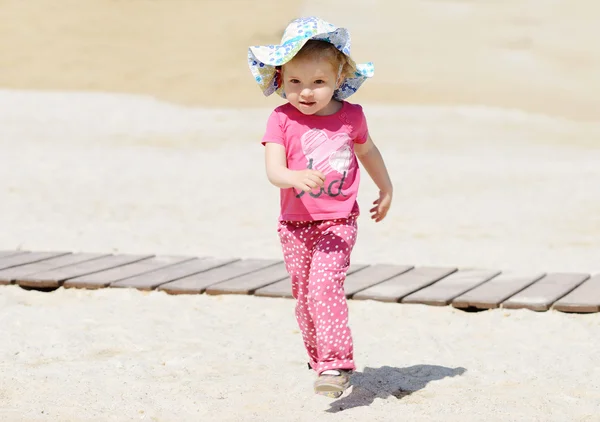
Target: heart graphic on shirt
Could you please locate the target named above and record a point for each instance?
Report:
(327, 154)
(340, 160)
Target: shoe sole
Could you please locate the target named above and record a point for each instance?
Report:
(331, 390)
(330, 394)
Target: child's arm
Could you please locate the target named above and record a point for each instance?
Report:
(371, 159)
(282, 177)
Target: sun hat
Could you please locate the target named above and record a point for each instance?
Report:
(263, 60)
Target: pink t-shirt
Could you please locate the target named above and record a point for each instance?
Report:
(324, 143)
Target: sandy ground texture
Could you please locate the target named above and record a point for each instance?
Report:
(537, 55)
(120, 355)
(486, 114)
(475, 187)
(132, 126)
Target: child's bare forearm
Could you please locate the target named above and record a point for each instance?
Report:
(279, 176)
(373, 163)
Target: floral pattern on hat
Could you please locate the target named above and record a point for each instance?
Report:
(263, 60)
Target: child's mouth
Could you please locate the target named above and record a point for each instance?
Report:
(308, 103)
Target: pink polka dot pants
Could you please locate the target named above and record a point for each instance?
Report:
(317, 256)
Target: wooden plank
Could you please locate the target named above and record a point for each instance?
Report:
(27, 258)
(283, 288)
(357, 281)
(8, 275)
(542, 294)
(9, 253)
(584, 299)
(56, 277)
(197, 283)
(113, 275)
(402, 285)
(443, 291)
(248, 283)
(491, 294)
(165, 275)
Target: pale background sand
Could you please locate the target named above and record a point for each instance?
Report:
(528, 54)
(133, 126)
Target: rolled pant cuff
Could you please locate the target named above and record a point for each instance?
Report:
(337, 364)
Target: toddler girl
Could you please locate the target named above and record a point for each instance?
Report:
(311, 148)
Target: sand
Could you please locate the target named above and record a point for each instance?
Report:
(532, 55)
(115, 136)
(475, 187)
(124, 355)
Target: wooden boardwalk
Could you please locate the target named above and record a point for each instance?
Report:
(470, 289)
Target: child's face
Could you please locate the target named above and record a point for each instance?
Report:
(309, 85)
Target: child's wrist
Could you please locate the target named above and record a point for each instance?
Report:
(288, 177)
(388, 190)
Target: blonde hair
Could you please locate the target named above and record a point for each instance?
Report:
(316, 49)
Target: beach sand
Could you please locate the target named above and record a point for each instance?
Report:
(475, 187)
(134, 127)
(123, 355)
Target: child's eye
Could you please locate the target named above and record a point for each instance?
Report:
(294, 81)
(319, 81)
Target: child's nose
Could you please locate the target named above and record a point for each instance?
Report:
(306, 92)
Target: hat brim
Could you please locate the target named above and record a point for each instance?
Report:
(263, 61)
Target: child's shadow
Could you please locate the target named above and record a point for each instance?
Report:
(387, 381)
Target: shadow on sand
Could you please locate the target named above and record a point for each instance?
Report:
(387, 381)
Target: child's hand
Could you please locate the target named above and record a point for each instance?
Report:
(307, 180)
(382, 205)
